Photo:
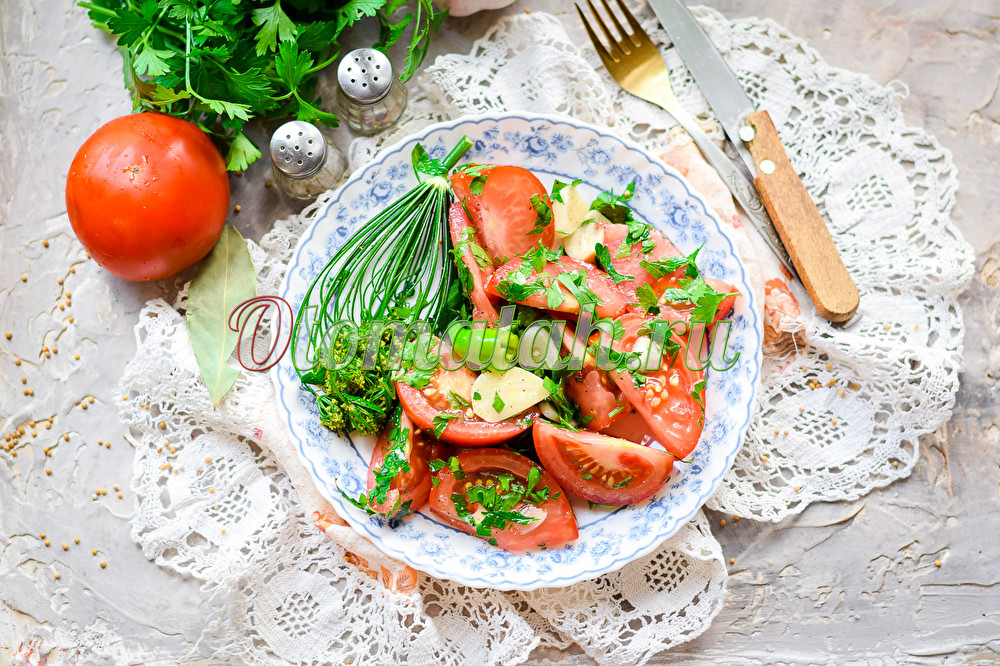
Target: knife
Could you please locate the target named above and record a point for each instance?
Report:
(798, 222)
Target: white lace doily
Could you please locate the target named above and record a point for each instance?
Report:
(215, 505)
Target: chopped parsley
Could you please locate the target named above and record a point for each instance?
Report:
(659, 268)
(498, 403)
(451, 464)
(477, 184)
(604, 258)
(543, 213)
(440, 422)
(517, 285)
(458, 400)
(565, 408)
(553, 295)
(499, 501)
(638, 232)
(394, 463)
(615, 206)
(576, 283)
(467, 241)
(705, 298)
(698, 392)
(558, 187)
(647, 299)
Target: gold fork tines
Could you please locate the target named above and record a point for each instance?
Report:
(632, 59)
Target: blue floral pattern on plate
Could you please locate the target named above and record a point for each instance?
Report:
(552, 147)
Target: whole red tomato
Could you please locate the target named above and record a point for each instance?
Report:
(147, 195)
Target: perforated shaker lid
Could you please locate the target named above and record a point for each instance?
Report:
(298, 149)
(365, 76)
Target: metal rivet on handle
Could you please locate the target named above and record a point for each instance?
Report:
(766, 167)
(747, 133)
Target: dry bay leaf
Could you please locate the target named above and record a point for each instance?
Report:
(225, 278)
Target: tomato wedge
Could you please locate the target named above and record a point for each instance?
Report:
(438, 400)
(631, 426)
(681, 311)
(502, 212)
(552, 520)
(601, 401)
(518, 282)
(602, 469)
(614, 237)
(408, 490)
(667, 400)
(464, 239)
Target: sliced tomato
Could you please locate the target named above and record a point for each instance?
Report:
(463, 235)
(553, 524)
(463, 427)
(681, 311)
(631, 426)
(502, 212)
(610, 302)
(408, 490)
(601, 401)
(630, 264)
(667, 398)
(602, 469)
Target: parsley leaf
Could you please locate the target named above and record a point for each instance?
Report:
(395, 462)
(274, 25)
(698, 392)
(543, 214)
(517, 286)
(241, 153)
(458, 401)
(440, 422)
(499, 499)
(220, 63)
(659, 268)
(647, 299)
(558, 186)
(576, 284)
(451, 464)
(615, 206)
(638, 232)
(553, 295)
(604, 258)
(477, 184)
(705, 298)
(498, 403)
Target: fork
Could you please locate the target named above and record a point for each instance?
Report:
(636, 64)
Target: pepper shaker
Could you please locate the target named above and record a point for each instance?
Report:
(304, 162)
(370, 97)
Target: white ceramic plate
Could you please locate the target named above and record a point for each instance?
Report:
(551, 147)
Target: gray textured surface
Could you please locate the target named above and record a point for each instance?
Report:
(839, 583)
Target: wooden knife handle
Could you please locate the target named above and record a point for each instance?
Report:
(799, 224)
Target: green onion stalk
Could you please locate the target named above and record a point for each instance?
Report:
(397, 266)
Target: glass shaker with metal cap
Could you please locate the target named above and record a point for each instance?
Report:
(370, 96)
(303, 160)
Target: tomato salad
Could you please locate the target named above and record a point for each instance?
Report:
(496, 445)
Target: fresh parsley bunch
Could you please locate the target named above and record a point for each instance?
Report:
(220, 63)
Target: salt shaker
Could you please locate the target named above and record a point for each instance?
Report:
(303, 160)
(370, 97)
